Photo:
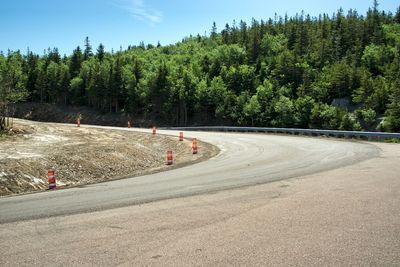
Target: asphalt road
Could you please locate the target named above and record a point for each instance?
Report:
(245, 159)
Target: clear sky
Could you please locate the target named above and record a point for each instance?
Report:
(39, 24)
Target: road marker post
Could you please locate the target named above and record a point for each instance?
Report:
(51, 176)
(181, 136)
(169, 157)
(194, 146)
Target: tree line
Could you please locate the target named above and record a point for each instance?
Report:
(331, 72)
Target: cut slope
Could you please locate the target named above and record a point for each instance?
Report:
(85, 155)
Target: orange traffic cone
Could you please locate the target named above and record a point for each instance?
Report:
(169, 157)
(51, 178)
(194, 146)
(181, 136)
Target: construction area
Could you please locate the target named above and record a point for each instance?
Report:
(84, 155)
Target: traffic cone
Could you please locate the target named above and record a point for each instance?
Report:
(169, 157)
(129, 124)
(51, 178)
(78, 123)
(181, 136)
(154, 130)
(194, 146)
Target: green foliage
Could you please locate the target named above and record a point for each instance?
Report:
(325, 116)
(285, 72)
(303, 107)
(350, 123)
(284, 110)
(367, 117)
(13, 79)
(252, 109)
(373, 93)
(272, 45)
(375, 58)
(392, 121)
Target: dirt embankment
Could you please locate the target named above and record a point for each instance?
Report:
(85, 155)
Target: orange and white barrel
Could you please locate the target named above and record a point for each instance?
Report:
(51, 176)
(194, 146)
(169, 157)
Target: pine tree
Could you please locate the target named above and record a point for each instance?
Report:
(254, 42)
(32, 62)
(225, 34)
(100, 52)
(214, 31)
(397, 15)
(393, 110)
(243, 33)
(88, 49)
(75, 62)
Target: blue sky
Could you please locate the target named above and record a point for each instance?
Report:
(39, 24)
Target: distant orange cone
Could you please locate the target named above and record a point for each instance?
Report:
(181, 136)
(194, 146)
(169, 157)
(51, 178)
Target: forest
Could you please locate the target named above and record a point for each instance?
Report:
(338, 71)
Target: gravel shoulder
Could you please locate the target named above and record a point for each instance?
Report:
(85, 155)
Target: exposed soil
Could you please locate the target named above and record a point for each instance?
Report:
(85, 155)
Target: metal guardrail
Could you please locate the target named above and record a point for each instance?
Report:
(294, 131)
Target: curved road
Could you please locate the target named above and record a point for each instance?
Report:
(245, 159)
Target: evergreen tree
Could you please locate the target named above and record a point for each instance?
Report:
(88, 49)
(393, 111)
(75, 62)
(225, 34)
(397, 15)
(214, 31)
(100, 52)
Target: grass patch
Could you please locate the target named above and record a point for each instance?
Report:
(5, 135)
(393, 140)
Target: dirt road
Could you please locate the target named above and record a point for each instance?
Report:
(246, 159)
(345, 216)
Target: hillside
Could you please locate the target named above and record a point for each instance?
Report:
(282, 72)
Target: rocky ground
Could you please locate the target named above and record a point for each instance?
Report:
(84, 155)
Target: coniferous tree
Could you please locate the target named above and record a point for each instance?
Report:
(100, 52)
(225, 34)
(214, 31)
(397, 15)
(75, 62)
(88, 49)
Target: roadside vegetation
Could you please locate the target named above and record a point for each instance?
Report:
(337, 71)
